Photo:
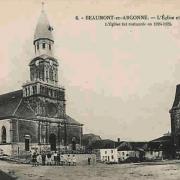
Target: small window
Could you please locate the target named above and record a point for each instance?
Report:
(43, 45)
(49, 46)
(122, 153)
(111, 151)
(112, 157)
(38, 46)
(26, 92)
(3, 136)
(105, 152)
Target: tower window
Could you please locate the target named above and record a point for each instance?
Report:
(43, 45)
(3, 135)
(49, 46)
(37, 46)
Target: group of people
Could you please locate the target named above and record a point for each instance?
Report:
(53, 158)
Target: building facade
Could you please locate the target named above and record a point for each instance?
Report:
(35, 116)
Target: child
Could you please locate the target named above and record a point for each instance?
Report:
(48, 158)
(62, 160)
(55, 158)
(69, 160)
(74, 160)
(43, 157)
(39, 160)
(34, 159)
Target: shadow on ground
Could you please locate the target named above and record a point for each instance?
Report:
(4, 176)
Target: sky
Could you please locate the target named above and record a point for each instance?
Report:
(120, 82)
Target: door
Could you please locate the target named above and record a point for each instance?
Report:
(52, 141)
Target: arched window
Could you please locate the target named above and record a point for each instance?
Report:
(3, 136)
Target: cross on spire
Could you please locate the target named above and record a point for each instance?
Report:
(42, 3)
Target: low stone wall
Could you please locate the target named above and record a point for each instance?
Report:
(82, 159)
(6, 149)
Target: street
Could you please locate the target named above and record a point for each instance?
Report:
(96, 172)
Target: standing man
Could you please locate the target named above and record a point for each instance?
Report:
(89, 161)
(43, 157)
(55, 158)
(48, 158)
(58, 159)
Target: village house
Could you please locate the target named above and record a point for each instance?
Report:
(108, 155)
(130, 151)
(153, 151)
(159, 148)
(105, 150)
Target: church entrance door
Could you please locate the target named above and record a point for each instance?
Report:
(52, 141)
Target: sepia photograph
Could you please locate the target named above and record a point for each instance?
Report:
(89, 90)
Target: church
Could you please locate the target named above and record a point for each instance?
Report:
(34, 117)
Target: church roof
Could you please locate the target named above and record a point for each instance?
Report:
(14, 105)
(70, 120)
(9, 103)
(43, 28)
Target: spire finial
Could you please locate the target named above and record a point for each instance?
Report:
(42, 3)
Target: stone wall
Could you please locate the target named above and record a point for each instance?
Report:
(82, 159)
(27, 127)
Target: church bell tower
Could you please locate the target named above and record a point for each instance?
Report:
(46, 97)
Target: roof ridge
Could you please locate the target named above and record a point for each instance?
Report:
(11, 92)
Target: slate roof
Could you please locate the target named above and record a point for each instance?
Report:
(161, 143)
(9, 103)
(43, 28)
(162, 139)
(14, 105)
(72, 121)
(104, 144)
(129, 146)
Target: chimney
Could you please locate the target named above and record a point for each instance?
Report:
(118, 139)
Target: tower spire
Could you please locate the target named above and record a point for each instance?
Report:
(43, 37)
(42, 5)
